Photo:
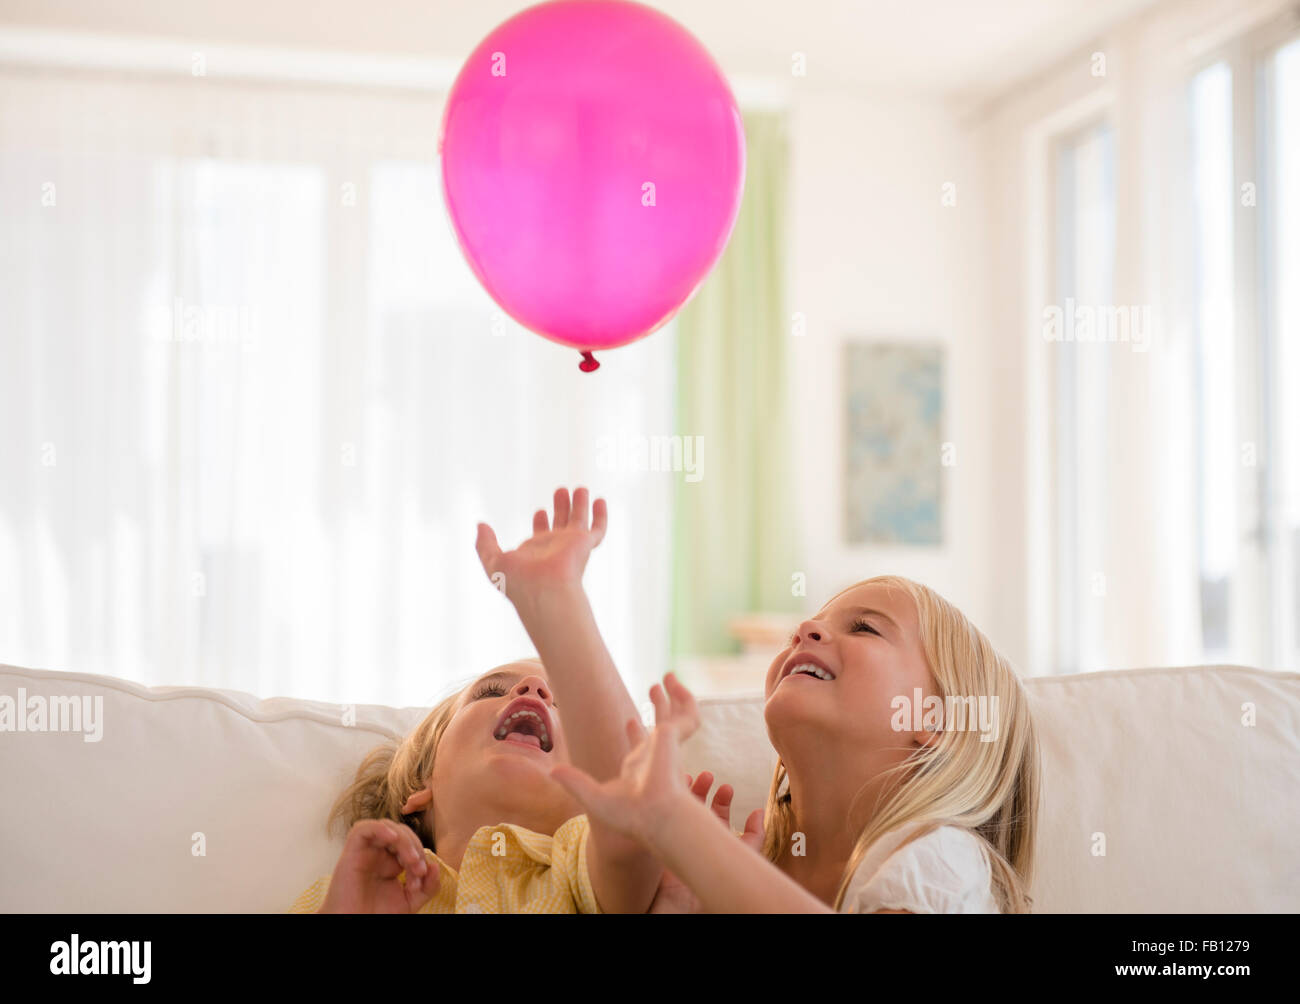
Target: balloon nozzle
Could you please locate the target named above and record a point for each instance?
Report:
(588, 364)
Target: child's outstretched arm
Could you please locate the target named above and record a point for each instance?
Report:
(543, 579)
(647, 801)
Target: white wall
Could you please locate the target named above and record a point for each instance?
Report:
(876, 255)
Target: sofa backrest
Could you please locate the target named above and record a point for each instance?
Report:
(202, 800)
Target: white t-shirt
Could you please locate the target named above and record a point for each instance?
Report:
(945, 871)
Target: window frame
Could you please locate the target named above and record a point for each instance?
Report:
(1062, 366)
(1263, 584)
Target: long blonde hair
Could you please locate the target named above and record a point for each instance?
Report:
(392, 773)
(991, 788)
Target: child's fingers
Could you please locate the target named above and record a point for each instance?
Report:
(721, 804)
(665, 748)
(398, 841)
(376, 833)
(561, 508)
(753, 835)
(539, 521)
(700, 787)
(581, 499)
(486, 545)
(660, 700)
(599, 520)
(678, 692)
(385, 864)
(405, 846)
(419, 889)
(410, 852)
(682, 702)
(635, 732)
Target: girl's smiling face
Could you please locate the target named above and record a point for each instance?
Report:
(844, 667)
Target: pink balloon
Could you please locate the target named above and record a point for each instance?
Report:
(593, 160)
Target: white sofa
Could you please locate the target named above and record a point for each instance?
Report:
(1199, 811)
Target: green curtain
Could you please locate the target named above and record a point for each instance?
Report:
(734, 533)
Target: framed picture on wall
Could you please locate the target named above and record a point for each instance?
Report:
(893, 442)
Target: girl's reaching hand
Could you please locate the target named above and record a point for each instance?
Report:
(365, 879)
(674, 895)
(649, 784)
(555, 555)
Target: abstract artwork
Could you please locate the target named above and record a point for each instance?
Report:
(893, 443)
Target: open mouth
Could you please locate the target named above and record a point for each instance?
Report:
(525, 721)
(805, 665)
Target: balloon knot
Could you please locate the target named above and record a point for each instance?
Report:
(588, 363)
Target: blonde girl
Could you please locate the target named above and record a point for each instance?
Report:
(463, 816)
(872, 808)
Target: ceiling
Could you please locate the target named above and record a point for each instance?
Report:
(971, 49)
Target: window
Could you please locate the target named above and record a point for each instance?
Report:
(1245, 149)
(1280, 220)
(1217, 439)
(1083, 280)
(258, 402)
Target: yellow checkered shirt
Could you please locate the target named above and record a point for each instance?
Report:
(506, 869)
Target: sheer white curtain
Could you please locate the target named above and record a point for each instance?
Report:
(253, 402)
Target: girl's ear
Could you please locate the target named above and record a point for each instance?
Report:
(418, 801)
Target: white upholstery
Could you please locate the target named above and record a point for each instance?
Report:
(1198, 810)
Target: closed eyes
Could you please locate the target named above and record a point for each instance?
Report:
(492, 687)
(858, 625)
(489, 689)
